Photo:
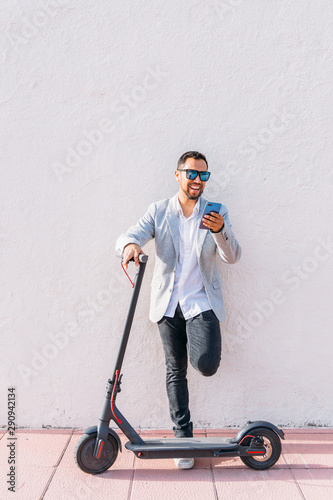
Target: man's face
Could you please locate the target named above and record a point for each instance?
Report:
(192, 189)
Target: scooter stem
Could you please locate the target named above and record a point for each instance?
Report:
(129, 320)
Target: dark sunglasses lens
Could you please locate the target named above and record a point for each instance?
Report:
(191, 174)
(204, 176)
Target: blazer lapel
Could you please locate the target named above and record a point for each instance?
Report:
(202, 233)
(173, 223)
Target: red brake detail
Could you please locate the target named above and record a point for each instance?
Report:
(127, 274)
(100, 449)
(247, 436)
(112, 398)
(257, 452)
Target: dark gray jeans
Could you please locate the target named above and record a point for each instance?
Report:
(200, 337)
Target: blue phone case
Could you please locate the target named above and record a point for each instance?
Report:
(210, 207)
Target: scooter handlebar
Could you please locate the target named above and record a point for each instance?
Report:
(142, 258)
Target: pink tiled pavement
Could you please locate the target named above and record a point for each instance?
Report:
(195, 484)
(315, 483)
(245, 484)
(304, 451)
(46, 470)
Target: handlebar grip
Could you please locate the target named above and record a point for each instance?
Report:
(142, 258)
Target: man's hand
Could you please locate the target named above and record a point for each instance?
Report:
(132, 250)
(214, 221)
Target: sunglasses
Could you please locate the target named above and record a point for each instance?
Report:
(192, 174)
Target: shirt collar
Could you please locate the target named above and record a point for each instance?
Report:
(195, 210)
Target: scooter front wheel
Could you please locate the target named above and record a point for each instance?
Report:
(271, 442)
(84, 458)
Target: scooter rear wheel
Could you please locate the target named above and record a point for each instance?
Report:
(272, 444)
(84, 458)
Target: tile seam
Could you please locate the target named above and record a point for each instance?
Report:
(130, 488)
(216, 496)
(65, 448)
(297, 484)
(48, 484)
(56, 466)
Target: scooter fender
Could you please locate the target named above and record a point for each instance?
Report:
(93, 429)
(253, 425)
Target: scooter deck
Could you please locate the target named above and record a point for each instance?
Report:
(184, 447)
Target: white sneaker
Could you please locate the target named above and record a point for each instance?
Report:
(184, 463)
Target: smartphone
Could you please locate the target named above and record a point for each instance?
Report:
(210, 207)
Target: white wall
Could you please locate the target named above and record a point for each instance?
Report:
(99, 100)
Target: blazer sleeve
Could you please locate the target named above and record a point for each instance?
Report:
(141, 233)
(227, 246)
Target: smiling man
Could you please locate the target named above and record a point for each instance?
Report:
(186, 293)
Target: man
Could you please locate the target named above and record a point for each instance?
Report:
(186, 294)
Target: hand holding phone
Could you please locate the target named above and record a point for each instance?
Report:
(209, 208)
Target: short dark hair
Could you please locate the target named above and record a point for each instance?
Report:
(191, 154)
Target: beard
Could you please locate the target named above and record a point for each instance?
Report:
(192, 196)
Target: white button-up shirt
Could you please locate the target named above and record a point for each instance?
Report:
(188, 287)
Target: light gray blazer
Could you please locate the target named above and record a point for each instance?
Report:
(161, 222)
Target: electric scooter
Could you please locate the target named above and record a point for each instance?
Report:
(257, 444)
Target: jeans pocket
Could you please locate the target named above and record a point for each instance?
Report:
(161, 321)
